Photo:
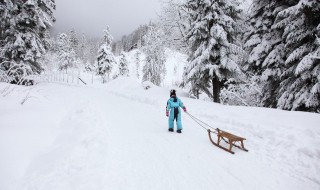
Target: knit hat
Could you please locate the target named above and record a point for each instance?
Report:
(172, 92)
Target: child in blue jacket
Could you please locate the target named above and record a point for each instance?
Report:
(173, 105)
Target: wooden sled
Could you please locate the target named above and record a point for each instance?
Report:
(232, 139)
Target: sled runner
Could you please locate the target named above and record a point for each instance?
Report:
(222, 135)
(232, 139)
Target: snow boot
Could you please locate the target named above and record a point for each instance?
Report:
(170, 129)
(179, 131)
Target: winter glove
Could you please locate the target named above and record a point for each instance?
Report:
(167, 113)
(184, 109)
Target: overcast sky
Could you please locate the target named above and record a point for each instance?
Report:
(92, 16)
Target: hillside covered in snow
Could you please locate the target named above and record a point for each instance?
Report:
(114, 136)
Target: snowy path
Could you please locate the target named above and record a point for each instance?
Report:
(102, 138)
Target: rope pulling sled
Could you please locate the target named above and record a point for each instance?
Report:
(221, 135)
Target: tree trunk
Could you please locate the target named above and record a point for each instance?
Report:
(216, 86)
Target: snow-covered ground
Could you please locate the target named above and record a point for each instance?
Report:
(114, 136)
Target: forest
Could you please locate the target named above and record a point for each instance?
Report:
(264, 55)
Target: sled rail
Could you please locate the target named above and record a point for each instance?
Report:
(231, 140)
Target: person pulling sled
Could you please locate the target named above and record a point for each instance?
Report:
(173, 106)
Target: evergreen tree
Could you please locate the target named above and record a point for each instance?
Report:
(92, 49)
(66, 55)
(123, 65)
(211, 37)
(74, 41)
(76, 44)
(105, 59)
(300, 85)
(24, 28)
(137, 60)
(154, 69)
(266, 48)
(83, 51)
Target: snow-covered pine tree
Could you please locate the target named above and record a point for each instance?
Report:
(137, 60)
(300, 86)
(154, 69)
(23, 32)
(73, 38)
(211, 37)
(91, 49)
(105, 59)
(123, 65)
(5, 16)
(66, 54)
(266, 48)
(75, 44)
(83, 52)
